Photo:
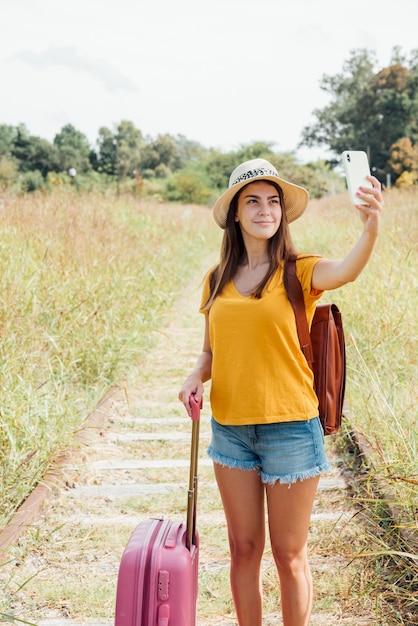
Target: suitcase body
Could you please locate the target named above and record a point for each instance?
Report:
(157, 582)
(158, 573)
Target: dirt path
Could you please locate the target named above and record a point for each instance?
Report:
(64, 569)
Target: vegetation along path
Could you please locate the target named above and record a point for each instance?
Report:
(63, 570)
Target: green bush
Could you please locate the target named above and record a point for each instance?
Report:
(31, 181)
(189, 187)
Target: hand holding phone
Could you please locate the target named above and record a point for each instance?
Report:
(356, 168)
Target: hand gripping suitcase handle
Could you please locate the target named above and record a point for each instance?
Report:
(196, 407)
(192, 492)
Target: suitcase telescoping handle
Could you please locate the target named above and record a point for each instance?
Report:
(192, 492)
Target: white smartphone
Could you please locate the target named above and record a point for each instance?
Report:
(356, 168)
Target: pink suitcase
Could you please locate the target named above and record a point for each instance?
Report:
(158, 574)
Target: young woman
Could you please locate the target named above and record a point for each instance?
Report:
(267, 441)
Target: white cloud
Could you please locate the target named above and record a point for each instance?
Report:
(68, 57)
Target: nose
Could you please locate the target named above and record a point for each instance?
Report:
(264, 208)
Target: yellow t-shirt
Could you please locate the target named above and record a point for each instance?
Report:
(259, 374)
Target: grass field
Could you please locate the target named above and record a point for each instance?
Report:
(86, 282)
(381, 327)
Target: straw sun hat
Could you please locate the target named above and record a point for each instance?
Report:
(295, 197)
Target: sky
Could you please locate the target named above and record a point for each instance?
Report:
(220, 72)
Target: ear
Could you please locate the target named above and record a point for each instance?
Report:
(236, 218)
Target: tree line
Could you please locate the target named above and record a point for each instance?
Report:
(167, 167)
(370, 109)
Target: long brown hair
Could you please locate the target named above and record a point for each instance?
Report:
(233, 252)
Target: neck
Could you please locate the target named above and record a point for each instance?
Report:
(255, 256)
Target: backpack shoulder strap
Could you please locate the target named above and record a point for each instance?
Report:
(295, 295)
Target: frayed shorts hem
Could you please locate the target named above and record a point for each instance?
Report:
(267, 479)
(289, 479)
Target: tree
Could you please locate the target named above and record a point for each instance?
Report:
(73, 150)
(7, 139)
(160, 157)
(403, 163)
(370, 110)
(395, 107)
(218, 166)
(128, 149)
(119, 151)
(189, 150)
(255, 150)
(34, 153)
(344, 122)
(9, 166)
(105, 161)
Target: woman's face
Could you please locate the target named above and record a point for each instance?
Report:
(259, 211)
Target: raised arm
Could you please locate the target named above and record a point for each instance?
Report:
(329, 274)
(200, 373)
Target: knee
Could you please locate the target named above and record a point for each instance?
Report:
(245, 551)
(291, 563)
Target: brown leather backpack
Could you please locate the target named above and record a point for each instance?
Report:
(324, 350)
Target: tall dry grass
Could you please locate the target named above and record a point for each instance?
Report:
(381, 326)
(85, 283)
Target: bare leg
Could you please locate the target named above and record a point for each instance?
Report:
(289, 510)
(242, 494)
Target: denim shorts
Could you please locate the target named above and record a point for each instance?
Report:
(283, 451)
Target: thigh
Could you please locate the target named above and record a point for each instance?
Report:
(289, 512)
(242, 494)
